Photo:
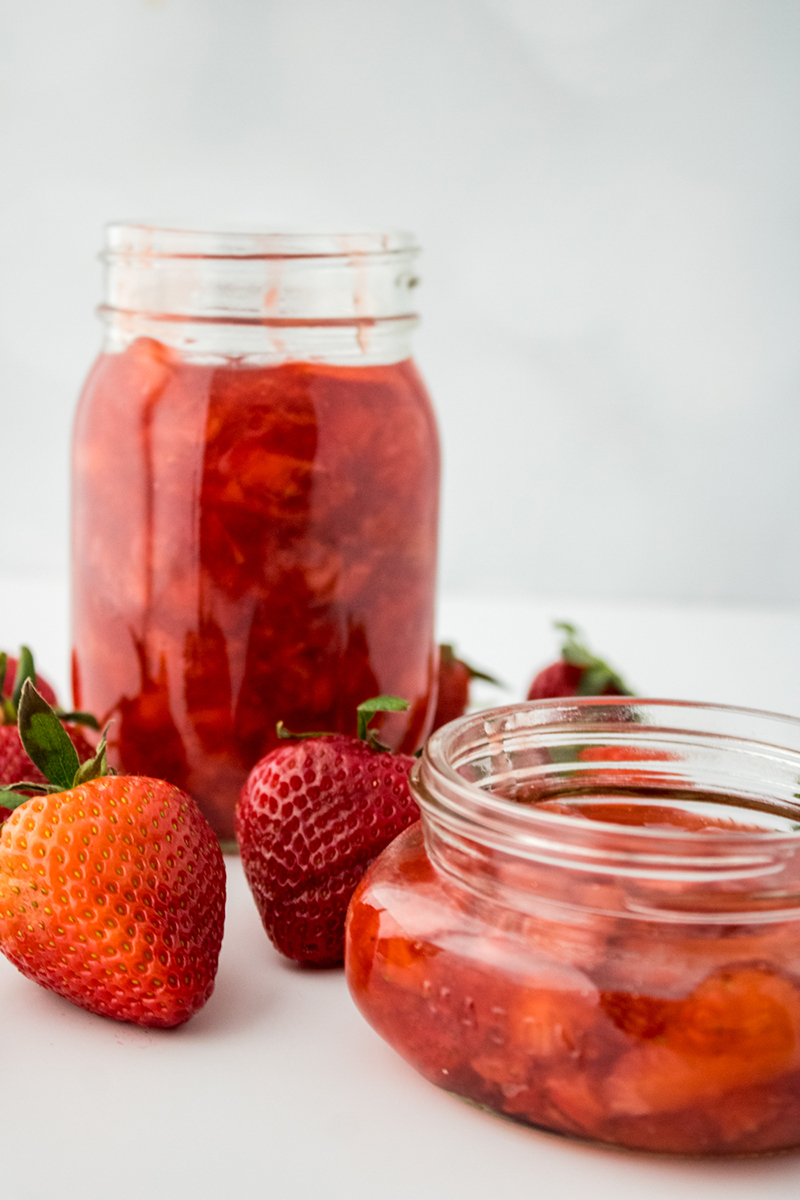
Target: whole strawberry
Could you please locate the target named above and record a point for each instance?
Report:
(454, 680)
(312, 816)
(112, 888)
(577, 673)
(15, 764)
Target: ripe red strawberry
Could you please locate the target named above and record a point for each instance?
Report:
(15, 764)
(112, 890)
(312, 817)
(44, 688)
(578, 672)
(454, 681)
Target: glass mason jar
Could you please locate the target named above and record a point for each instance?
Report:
(596, 927)
(255, 500)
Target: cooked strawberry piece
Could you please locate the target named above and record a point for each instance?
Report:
(638, 1016)
(740, 1026)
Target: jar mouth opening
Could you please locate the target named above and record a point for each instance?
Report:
(146, 240)
(453, 779)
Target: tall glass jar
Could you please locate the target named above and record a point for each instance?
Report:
(596, 928)
(255, 498)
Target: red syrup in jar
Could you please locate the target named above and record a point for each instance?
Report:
(250, 544)
(648, 1033)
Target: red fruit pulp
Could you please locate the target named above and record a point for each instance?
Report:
(250, 544)
(588, 1016)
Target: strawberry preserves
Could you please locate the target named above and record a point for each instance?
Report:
(255, 504)
(587, 934)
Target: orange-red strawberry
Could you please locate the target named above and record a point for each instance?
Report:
(577, 673)
(454, 680)
(312, 817)
(112, 890)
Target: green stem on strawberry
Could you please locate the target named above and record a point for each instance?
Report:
(79, 718)
(25, 670)
(8, 713)
(287, 734)
(50, 748)
(597, 674)
(447, 654)
(369, 709)
(365, 713)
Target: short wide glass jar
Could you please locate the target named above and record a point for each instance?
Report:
(596, 927)
(255, 501)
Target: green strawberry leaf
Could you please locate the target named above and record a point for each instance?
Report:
(283, 732)
(25, 670)
(594, 681)
(45, 739)
(474, 673)
(95, 767)
(597, 674)
(8, 714)
(367, 710)
(11, 799)
(447, 656)
(79, 718)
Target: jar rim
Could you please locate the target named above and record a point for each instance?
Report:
(150, 240)
(444, 792)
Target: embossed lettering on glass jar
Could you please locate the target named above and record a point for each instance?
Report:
(255, 481)
(596, 927)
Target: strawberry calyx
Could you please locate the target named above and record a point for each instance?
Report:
(368, 709)
(48, 745)
(597, 677)
(7, 713)
(448, 656)
(365, 711)
(26, 669)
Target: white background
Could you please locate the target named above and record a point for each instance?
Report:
(607, 194)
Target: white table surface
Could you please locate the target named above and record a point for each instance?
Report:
(278, 1088)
